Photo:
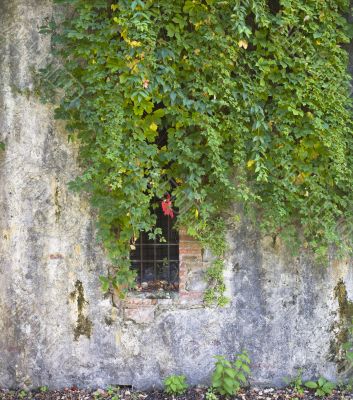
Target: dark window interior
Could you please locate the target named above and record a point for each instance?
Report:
(157, 263)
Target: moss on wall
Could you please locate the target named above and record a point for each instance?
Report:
(341, 327)
(83, 324)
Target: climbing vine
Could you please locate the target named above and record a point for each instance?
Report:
(210, 102)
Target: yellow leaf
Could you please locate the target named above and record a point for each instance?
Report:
(300, 178)
(250, 163)
(197, 51)
(153, 127)
(134, 43)
(123, 32)
(196, 213)
(243, 43)
(114, 7)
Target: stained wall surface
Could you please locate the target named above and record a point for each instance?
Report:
(56, 327)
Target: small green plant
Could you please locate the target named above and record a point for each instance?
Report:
(97, 395)
(211, 395)
(323, 387)
(297, 383)
(44, 389)
(175, 384)
(22, 394)
(229, 376)
(345, 385)
(348, 346)
(113, 391)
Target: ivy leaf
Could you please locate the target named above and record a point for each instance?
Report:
(153, 127)
(105, 284)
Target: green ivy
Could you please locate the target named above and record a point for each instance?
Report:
(214, 102)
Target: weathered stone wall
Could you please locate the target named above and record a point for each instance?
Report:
(57, 329)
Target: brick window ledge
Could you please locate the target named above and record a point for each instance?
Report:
(191, 286)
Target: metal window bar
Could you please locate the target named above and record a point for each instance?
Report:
(149, 257)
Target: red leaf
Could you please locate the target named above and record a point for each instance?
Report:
(167, 206)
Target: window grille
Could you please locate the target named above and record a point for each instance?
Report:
(157, 263)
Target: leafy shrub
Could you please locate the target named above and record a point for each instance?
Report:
(323, 387)
(175, 384)
(229, 376)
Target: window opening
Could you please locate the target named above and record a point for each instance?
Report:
(157, 263)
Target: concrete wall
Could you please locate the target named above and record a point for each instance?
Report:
(57, 329)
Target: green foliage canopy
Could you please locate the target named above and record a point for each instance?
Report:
(214, 102)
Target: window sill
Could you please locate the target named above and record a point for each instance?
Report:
(154, 294)
(144, 311)
(143, 307)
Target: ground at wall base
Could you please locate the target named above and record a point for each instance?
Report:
(196, 393)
